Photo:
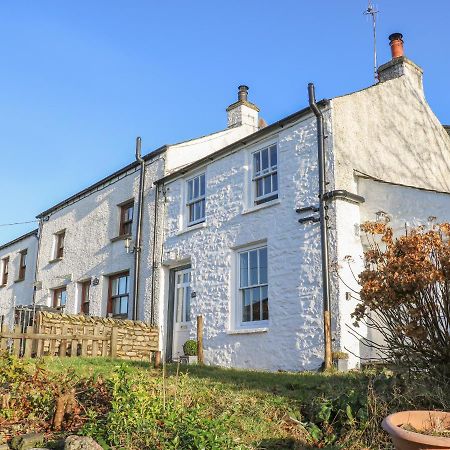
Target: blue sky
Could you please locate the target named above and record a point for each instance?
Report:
(80, 80)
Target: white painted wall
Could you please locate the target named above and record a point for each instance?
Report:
(293, 339)
(92, 223)
(406, 207)
(17, 293)
(90, 250)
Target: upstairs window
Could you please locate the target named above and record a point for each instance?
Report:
(253, 285)
(59, 244)
(265, 174)
(119, 293)
(59, 297)
(126, 218)
(196, 188)
(22, 264)
(5, 269)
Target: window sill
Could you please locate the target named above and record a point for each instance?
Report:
(55, 260)
(2, 285)
(248, 330)
(122, 237)
(274, 202)
(191, 228)
(19, 280)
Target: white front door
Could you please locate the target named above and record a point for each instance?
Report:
(182, 311)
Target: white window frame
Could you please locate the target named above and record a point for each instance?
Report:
(200, 198)
(239, 323)
(263, 174)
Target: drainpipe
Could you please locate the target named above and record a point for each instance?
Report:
(323, 226)
(137, 245)
(155, 235)
(36, 265)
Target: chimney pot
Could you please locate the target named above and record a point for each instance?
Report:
(396, 43)
(243, 93)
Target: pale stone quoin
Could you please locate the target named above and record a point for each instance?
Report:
(220, 229)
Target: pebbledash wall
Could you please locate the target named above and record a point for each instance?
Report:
(18, 291)
(293, 337)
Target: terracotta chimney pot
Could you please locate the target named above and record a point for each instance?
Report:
(396, 43)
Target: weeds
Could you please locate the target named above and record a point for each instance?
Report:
(129, 405)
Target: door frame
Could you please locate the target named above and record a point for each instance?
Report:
(171, 309)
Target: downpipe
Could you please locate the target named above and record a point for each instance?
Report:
(323, 218)
(137, 246)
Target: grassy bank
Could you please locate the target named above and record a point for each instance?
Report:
(132, 406)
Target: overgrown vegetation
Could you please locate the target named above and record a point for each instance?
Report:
(131, 406)
(405, 295)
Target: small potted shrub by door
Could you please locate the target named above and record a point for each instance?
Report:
(340, 360)
(190, 351)
(419, 430)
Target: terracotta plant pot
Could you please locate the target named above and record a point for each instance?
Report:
(420, 420)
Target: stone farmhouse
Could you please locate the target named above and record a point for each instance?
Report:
(229, 226)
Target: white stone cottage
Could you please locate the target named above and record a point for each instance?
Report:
(17, 272)
(220, 232)
(235, 253)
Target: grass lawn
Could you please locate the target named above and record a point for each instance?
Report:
(258, 406)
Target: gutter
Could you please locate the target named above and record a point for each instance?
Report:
(137, 246)
(342, 194)
(323, 218)
(235, 146)
(99, 184)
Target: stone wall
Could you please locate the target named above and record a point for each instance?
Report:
(135, 340)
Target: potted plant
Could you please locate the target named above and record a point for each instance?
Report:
(340, 360)
(419, 430)
(190, 351)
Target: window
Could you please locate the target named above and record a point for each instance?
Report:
(265, 174)
(126, 218)
(196, 199)
(22, 264)
(183, 296)
(59, 244)
(119, 294)
(253, 285)
(59, 297)
(5, 268)
(84, 303)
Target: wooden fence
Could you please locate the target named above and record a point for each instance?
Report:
(31, 344)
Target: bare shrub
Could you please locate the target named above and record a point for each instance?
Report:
(405, 295)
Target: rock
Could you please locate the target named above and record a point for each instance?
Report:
(27, 441)
(4, 447)
(81, 443)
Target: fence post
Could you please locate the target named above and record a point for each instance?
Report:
(28, 343)
(63, 343)
(157, 359)
(3, 341)
(17, 342)
(113, 342)
(200, 339)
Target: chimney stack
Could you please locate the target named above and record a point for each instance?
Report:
(243, 93)
(396, 43)
(242, 112)
(400, 65)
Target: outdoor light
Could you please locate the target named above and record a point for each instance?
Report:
(382, 217)
(128, 245)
